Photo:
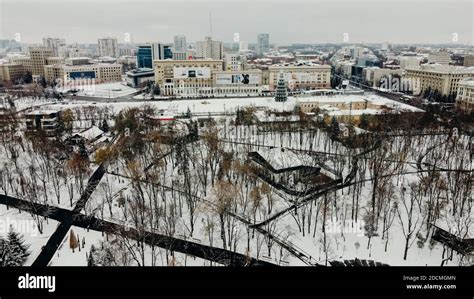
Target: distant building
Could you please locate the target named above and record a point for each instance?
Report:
(440, 57)
(409, 62)
(469, 60)
(209, 49)
(263, 43)
(243, 46)
(108, 46)
(180, 43)
(465, 95)
(57, 44)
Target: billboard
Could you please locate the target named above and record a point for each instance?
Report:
(82, 75)
(238, 79)
(191, 72)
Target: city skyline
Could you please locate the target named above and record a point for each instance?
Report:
(286, 24)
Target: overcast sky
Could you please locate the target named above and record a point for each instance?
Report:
(289, 21)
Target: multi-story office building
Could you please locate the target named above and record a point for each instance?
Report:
(25, 61)
(263, 43)
(144, 56)
(180, 44)
(301, 77)
(108, 46)
(444, 78)
(440, 57)
(465, 95)
(99, 72)
(209, 49)
(10, 72)
(39, 56)
(469, 60)
(57, 44)
(147, 53)
(186, 77)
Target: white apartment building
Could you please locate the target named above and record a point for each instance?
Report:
(108, 46)
(442, 78)
(465, 96)
(209, 49)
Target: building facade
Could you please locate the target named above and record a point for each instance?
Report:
(108, 46)
(186, 77)
(209, 49)
(465, 96)
(180, 43)
(10, 72)
(263, 43)
(301, 77)
(57, 44)
(440, 57)
(39, 56)
(99, 72)
(444, 79)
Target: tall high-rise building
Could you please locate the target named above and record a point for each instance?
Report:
(149, 52)
(263, 43)
(209, 49)
(39, 56)
(180, 43)
(57, 44)
(144, 56)
(108, 46)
